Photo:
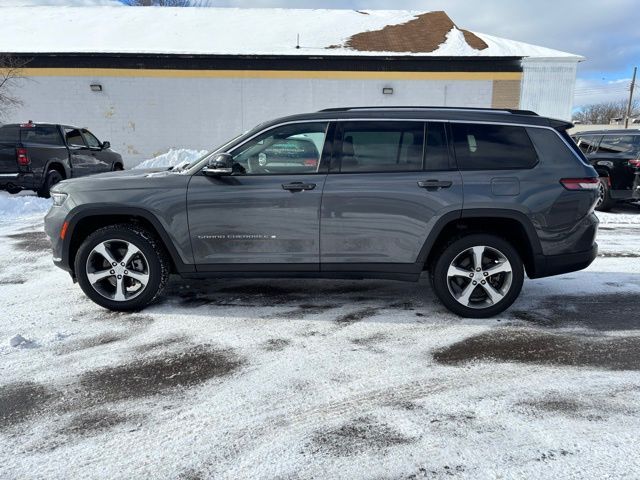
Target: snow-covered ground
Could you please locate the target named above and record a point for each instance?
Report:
(318, 379)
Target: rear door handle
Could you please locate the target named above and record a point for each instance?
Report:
(298, 186)
(434, 184)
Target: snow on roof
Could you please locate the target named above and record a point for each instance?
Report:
(248, 31)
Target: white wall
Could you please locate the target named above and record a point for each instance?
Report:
(145, 116)
(548, 86)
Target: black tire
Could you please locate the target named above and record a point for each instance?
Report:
(481, 308)
(605, 202)
(51, 178)
(13, 190)
(117, 167)
(154, 255)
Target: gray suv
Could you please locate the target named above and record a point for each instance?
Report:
(476, 197)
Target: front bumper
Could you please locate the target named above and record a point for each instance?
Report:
(53, 222)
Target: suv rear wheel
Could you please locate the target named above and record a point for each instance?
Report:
(122, 267)
(605, 202)
(477, 276)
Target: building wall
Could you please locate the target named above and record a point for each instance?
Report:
(548, 86)
(144, 113)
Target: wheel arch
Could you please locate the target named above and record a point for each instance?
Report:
(85, 221)
(512, 225)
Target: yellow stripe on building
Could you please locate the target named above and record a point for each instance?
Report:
(273, 74)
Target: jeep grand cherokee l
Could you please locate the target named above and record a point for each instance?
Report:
(475, 197)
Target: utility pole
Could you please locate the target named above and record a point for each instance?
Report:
(633, 84)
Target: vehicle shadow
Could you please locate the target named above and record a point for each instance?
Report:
(581, 300)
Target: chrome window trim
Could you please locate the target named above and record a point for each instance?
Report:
(196, 168)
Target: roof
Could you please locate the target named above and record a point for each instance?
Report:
(488, 115)
(250, 31)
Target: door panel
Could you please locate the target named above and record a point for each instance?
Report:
(373, 217)
(386, 216)
(80, 156)
(253, 219)
(101, 158)
(268, 210)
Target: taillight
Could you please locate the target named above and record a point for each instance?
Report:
(23, 158)
(635, 163)
(580, 183)
(310, 162)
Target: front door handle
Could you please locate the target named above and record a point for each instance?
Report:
(298, 186)
(432, 185)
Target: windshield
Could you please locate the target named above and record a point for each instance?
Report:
(195, 163)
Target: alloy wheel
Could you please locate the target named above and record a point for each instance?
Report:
(479, 277)
(117, 270)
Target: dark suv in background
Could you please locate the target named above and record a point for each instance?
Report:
(36, 156)
(615, 154)
(475, 197)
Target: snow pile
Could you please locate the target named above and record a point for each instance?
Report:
(12, 206)
(173, 157)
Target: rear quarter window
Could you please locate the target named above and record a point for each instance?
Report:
(492, 147)
(553, 151)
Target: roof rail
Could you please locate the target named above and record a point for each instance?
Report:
(410, 107)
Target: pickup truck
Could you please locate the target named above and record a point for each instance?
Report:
(36, 156)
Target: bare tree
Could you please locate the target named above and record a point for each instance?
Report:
(10, 76)
(603, 113)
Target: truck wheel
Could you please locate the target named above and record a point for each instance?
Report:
(13, 190)
(122, 267)
(51, 178)
(477, 276)
(605, 202)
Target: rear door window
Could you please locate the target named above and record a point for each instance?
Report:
(41, 135)
(588, 143)
(492, 147)
(622, 144)
(436, 148)
(382, 146)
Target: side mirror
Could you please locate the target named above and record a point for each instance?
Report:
(106, 145)
(221, 164)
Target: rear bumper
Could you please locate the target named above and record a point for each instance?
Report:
(24, 181)
(549, 265)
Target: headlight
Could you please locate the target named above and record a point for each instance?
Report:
(58, 198)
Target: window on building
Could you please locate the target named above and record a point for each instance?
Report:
(382, 146)
(295, 148)
(492, 147)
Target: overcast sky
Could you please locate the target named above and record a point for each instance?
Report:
(606, 32)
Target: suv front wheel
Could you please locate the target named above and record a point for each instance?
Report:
(122, 267)
(477, 276)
